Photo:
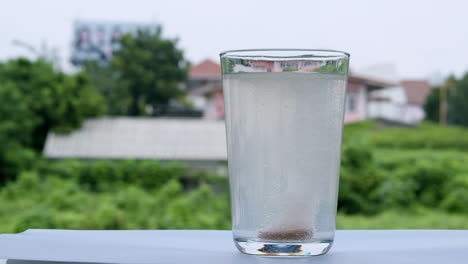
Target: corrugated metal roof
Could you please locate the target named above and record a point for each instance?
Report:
(141, 138)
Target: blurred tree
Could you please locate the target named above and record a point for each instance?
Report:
(457, 101)
(106, 80)
(16, 126)
(35, 99)
(152, 68)
(432, 105)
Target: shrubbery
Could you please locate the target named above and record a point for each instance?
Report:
(131, 194)
(376, 185)
(35, 99)
(104, 175)
(426, 135)
(67, 201)
(376, 180)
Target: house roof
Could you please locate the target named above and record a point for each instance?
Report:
(206, 69)
(369, 80)
(141, 138)
(209, 69)
(207, 89)
(416, 90)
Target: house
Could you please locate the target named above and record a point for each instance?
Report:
(402, 103)
(358, 97)
(204, 73)
(205, 89)
(416, 91)
(391, 104)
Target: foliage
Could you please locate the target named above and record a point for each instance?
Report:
(426, 135)
(432, 105)
(16, 128)
(106, 80)
(457, 101)
(425, 178)
(359, 179)
(397, 168)
(333, 67)
(104, 175)
(372, 181)
(403, 219)
(64, 203)
(427, 186)
(382, 185)
(35, 99)
(151, 68)
(55, 100)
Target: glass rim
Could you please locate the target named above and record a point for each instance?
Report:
(288, 53)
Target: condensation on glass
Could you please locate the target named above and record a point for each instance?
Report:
(284, 121)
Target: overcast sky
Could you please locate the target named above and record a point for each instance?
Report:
(418, 37)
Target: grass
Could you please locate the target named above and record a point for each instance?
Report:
(426, 135)
(393, 219)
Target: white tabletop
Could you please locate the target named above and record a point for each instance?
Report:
(194, 246)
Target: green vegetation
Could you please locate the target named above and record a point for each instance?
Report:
(289, 69)
(143, 78)
(61, 200)
(456, 93)
(404, 168)
(426, 135)
(382, 185)
(397, 219)
(144, 75)
(106, 81)
(151, 68)
(391, 177)
(35, 99)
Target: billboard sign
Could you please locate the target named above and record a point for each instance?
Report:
(96, 41)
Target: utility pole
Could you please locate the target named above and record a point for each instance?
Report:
(443, 104)
(445, 91)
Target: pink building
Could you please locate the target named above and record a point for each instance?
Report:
(205, 89)
(357, 96)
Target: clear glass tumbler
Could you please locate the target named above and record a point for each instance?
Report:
(284, 122)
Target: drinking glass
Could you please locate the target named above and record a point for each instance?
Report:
(284, 122)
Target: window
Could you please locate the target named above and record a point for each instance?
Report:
(351, 102)
(289, 64)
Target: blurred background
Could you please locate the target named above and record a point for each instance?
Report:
(111, 112)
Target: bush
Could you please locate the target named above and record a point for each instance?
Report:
(426, 135)
(456, 195)
(425, 178)
(359, 179)
(35, 99)
(379, 188)
(107, 175)
(403, 219)
(131, 194)
(36, 200)
(373, 180)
